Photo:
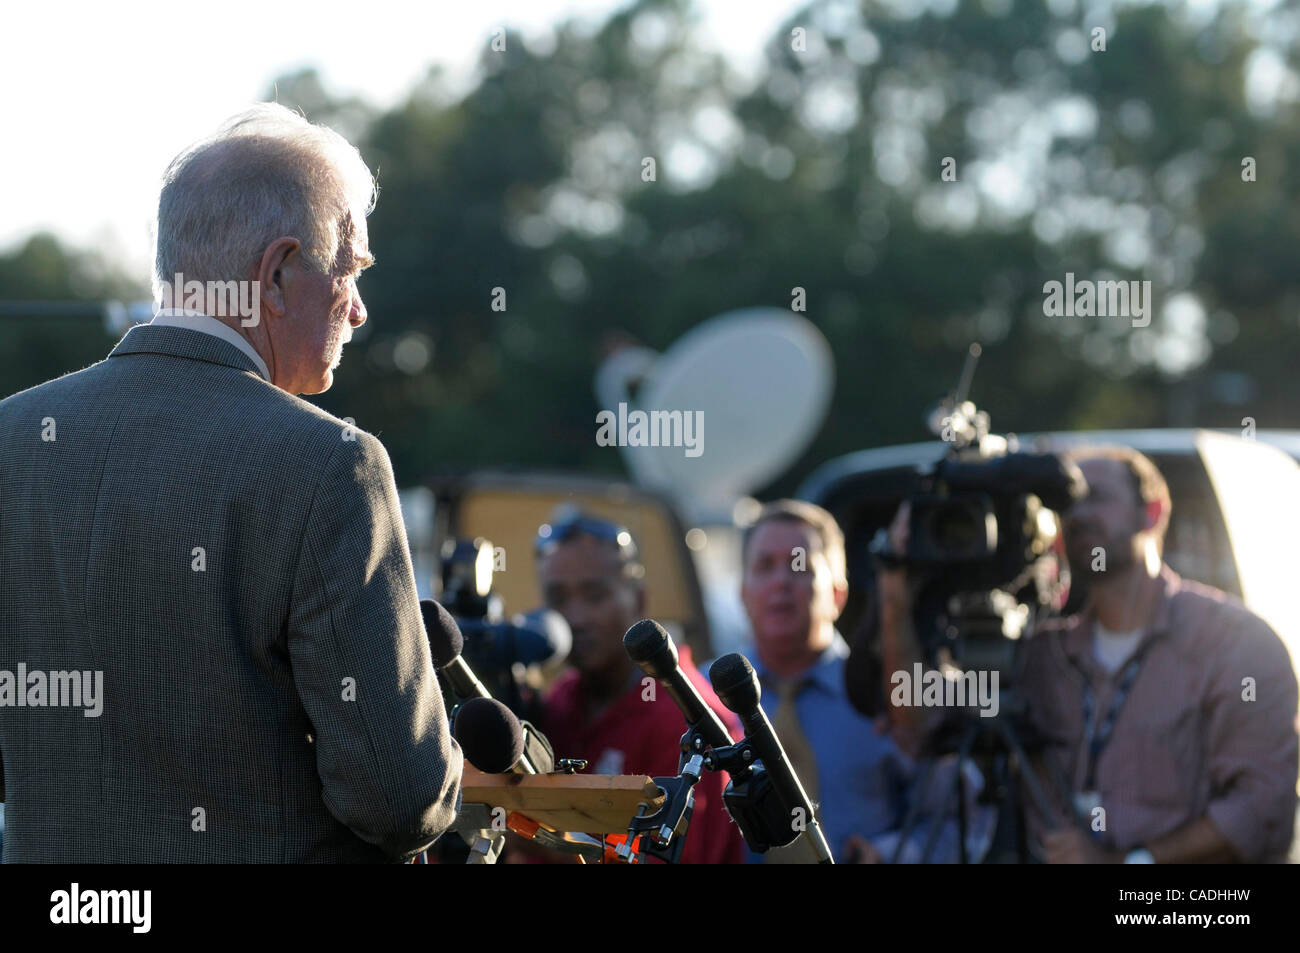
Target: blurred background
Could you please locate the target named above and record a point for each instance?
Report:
(522, 169)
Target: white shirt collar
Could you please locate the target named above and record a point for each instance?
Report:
(198, 321)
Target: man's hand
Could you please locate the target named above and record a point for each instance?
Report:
(899, 647)
(1073, 846)
(895, 593)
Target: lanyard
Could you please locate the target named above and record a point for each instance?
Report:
(1095, 736)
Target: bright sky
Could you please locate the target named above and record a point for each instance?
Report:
(99, 97)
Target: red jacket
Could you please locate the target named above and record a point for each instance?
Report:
(635, 736)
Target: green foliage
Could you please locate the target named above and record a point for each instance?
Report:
(39, 341)
(532, 183)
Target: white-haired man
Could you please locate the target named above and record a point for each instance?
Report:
(225, 559)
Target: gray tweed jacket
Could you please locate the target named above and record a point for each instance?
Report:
(229, 562)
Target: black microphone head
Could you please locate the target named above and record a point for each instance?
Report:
(735, 683)
(489, 734)
(650, 646)
(445, 641)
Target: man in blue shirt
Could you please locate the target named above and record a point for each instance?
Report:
(795, 586)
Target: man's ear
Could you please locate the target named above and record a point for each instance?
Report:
(840, 593)
(280, 254)
(1154, 510)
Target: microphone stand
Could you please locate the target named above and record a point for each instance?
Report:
(752, 800)
(665, 830)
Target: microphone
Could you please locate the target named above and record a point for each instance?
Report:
(491, 737)
(446, 644)
(651, 647)
(737, 686)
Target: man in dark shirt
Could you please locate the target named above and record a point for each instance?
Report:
(604, 709)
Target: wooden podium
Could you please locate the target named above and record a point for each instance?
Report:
(596, 804)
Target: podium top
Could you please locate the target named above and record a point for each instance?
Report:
(587, 803)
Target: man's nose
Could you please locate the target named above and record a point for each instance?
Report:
(357, 314)
(582, 616)
(785, 576)
(571, 610)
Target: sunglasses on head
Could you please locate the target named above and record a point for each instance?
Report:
(562, 530)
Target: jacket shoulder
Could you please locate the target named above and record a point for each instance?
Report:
(247, 402)
(67, 384)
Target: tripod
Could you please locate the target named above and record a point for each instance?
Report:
(1004, 761)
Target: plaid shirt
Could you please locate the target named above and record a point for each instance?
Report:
(1207, 728)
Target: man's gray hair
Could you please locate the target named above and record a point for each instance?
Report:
(265, 174)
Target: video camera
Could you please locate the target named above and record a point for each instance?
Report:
(510, 656)
(983, 539)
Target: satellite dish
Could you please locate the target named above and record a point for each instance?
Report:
(757, 381)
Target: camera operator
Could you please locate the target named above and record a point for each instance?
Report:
(1166, 706)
